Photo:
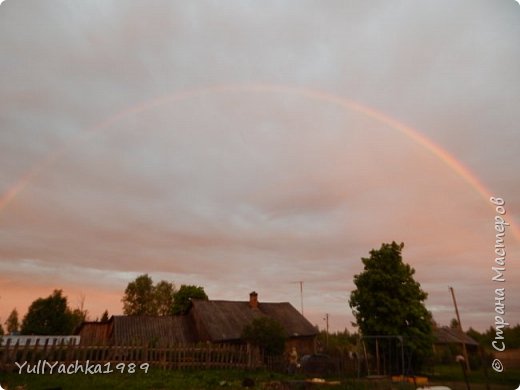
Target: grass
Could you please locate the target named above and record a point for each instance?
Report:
(157, 379)
(185, 380)
(154, 379)
(452, 373)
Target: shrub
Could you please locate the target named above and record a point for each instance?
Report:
(267, 334)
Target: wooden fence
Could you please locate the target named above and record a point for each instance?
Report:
(197, 356)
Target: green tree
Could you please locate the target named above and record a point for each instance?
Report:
(266, 333)
(12, 323)
(164, 293)
(139, 297)
(1, 331)
(48, 316)
(104, 316)
(474, 334)
(511, 334)
(182, 298)
(142, 297)
(334, 343)
(388, 301)
(77, 316)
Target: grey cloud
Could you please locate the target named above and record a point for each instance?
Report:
(220, 180)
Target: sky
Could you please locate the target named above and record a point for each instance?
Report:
(248, 145)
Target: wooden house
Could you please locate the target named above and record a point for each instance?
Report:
(448, 343)
(214, 321)
(223, 321)
(446, 336)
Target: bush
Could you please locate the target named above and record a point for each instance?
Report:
(267, 334)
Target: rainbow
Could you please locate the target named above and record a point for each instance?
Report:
(310, 93)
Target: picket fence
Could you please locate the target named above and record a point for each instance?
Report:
(184, 356)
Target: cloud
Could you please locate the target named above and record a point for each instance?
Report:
(248, 188)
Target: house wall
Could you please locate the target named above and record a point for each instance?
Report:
(95, 334)
(201, 333)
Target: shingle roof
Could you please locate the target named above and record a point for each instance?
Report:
(446, 335)
(221, 321)
(225, 320)
(151, 329)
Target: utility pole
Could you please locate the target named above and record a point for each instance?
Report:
(301, 294)
(326, 318)
(464, 350)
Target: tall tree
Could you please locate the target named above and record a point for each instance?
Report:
(164, 292)
(182, 298)
(48, 316)
(139, 297)
(142, 297)
(388, 301)
(12, 323)
(454, 324)
(104, 316)
(1, 330)
(77, 316)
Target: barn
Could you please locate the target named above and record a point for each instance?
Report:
(138, 330)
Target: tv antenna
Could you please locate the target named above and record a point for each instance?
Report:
(300, 282)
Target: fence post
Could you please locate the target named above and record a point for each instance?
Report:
(71, 352)
(6, 349)
(45, 346)
(25, 349)
(63, 351)
(248, 351)
(34, 351)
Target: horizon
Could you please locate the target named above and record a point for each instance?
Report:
(321, 327)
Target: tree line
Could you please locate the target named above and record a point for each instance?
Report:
(143, 297)
(46, 316)
(53, 315)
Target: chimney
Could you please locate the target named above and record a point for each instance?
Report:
(253, 300)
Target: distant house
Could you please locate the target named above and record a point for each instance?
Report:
(446, 335)
(448, 343)
(223, 321)
(207, 321)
